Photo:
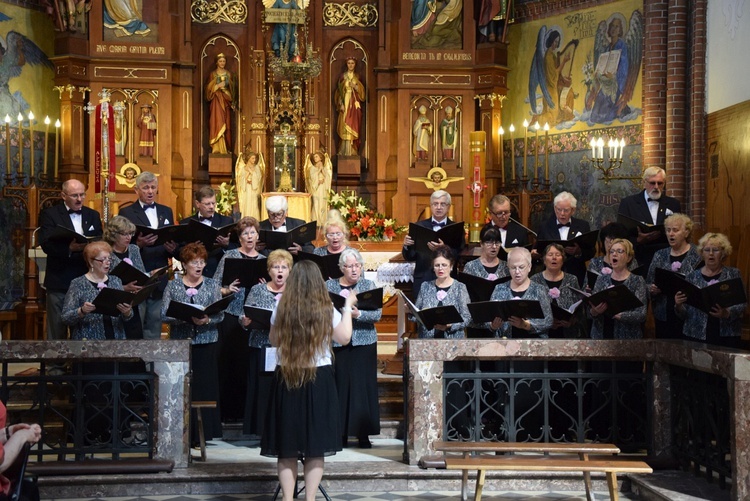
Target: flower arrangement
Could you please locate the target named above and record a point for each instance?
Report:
(226, 197)
(363, 222)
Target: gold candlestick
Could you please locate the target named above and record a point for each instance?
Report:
(525, 148)
(20, 143)
(46, 143)
(7, 144)
(536, 151)
(57, 137)
(512, 129)
(546, 152)
(31, 144)
(502, 156)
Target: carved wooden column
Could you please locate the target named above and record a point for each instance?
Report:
(71, 82)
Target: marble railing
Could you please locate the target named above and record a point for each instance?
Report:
(424, 369)
(171, 364)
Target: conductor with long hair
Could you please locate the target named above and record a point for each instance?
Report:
(303, 413)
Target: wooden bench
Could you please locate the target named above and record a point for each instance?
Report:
(208, 404)
(472, 459)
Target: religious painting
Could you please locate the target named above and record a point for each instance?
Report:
(581, 69)
(130, 21)
(437, 24)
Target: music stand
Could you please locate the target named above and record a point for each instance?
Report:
(297, 490)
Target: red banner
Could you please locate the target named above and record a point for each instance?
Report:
(104, 146)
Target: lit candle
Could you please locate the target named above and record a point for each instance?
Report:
(20, 143)
(593, 148)
(512, 129)
(7, 144)
(525, 144)
(536, 150)
(57, 136)
(600, 146)
(502, 155)
(47, 121)
(622, 147)
(546, 152)
(31, 144)
(612, 151)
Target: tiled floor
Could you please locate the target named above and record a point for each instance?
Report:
(384, 496)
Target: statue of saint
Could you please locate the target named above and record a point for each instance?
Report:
(350, 93)
(220, 93)
(250, 175)
(147, 137)
(449, 134)
(318, 175)
(422, 130)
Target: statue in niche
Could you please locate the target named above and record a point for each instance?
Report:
(350, 93)
(250, 174)
(318, 175)
(147, 138)
(121, 131)
(220, 94)
(449, 134)
(284, 36)
(422, 131)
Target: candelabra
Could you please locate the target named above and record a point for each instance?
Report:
(608, 165)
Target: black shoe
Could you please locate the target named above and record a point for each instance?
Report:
(364, 443)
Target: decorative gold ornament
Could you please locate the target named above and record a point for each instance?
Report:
(350, 14)
(218, 11)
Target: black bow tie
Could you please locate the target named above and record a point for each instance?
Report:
(201, 218)
(149, 206)
(73, 211)
(435, 223)
(560, 225)
(652, 200)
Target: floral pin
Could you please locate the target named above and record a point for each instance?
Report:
(492, 277)
(554, 293)
(606, 271)
(676, 266)
(101, 285)
(441, 295)
(128, 260)
(191, 292)
(713, 281)
(345, 293)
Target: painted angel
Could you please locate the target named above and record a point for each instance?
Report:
(16, 50)
(551, 72)
(250, 175)
(318, 175)
(618, 51)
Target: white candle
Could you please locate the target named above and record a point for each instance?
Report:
(46, 143)
(57, 136)
(501, 132)
(593, 148)
(31, 143)
(622, 147)
(512, 129)
(20, 142)
(600, 145)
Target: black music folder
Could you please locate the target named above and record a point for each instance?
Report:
(725, 293)
(486, 311)
(668, 281)
(452, 235)
(284, 239)
(204, 233)
(173, 233)
(633, 225)
(249, 271)
(186, 311)
(585, 241)
(480, 289)
(261, 317)
(618, 298)
(437, 315)
(565, 314)
(61, 233)
(328, 264)
(107, 300)
(129, 273)
(366, 300)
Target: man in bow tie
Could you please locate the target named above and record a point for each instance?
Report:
(146, 212)
(205, 212)
(563, 226)
(440, 202)
(65, 257)
(512, 234)
(650, 206)
(277, 208)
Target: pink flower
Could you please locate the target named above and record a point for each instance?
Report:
(192, 291)
(101, 285)
(277, 297)
(491, 277)
(441, 295)
(345, 292)
(606, 271)
(128, 260)
(711, 282)
(554, 293)
(676, 266)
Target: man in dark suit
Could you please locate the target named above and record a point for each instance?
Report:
(65, 257)
(512, 233)
(205, 206)
(650, 206)
(146, 212)
(440, 202)
(563, 226)
(277, 207)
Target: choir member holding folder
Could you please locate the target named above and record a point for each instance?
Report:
(203, 330)
(521, 287)
(626, 324)
(79, 311)
(443, 291)
(263, 296)
(565, 323)
(680, 257)
(234, 350)
(600, 265)
(276, 208)
(488, 267)
(720, 325)
(356, 364)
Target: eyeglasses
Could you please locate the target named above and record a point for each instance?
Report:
(279, 267)
(197, 262)
(655, 183)
(103, 260)
(125, 233)
(441, 265)
(563, 211)
(617, 251)
(248, 234)
(491, 243)
(712, 250)
(276, 215)
(518, 268)
(75, 195)
(334, 235)
(439, 204)
(355, 266)
(501, 213)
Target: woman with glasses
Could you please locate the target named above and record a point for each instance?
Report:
(682, 257)
(356, 364)
(259, 377)
(626, 324)
(487, 266)
(234, 349)
(336, 233)
(559, 285)
(721, 326)
(78, 310)
(442, 291)
(521, 287)
(601, 265)
(203, 331)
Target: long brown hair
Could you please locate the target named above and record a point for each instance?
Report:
(303, 324)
